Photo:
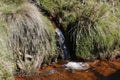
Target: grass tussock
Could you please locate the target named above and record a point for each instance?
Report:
(6, 58)
(30, 36)
(93, 24)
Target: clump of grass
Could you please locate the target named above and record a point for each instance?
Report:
(17, 2)
(31, 36)
(6, 57)
(92, 25)
(97, 32)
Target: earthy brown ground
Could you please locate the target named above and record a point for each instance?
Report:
(99, 70)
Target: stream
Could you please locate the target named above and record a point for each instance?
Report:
(99, 70)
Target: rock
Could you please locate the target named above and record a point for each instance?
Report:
(76, 66)
(48, 72)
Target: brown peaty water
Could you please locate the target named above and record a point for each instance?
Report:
(99, 70)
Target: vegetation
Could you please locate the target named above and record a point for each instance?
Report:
(27, 37)
(6, 57)
(29, 34)
(93, 24)
(6, 62)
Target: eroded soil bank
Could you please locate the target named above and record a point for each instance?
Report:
(99, 70)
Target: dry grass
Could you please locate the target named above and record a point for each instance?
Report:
(31, 39)
(6, 57)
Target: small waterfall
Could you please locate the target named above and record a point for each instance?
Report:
(60, 43)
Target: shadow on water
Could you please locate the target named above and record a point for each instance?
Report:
(114, 76)
(97, 74)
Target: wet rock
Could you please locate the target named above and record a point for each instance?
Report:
(48, 72)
